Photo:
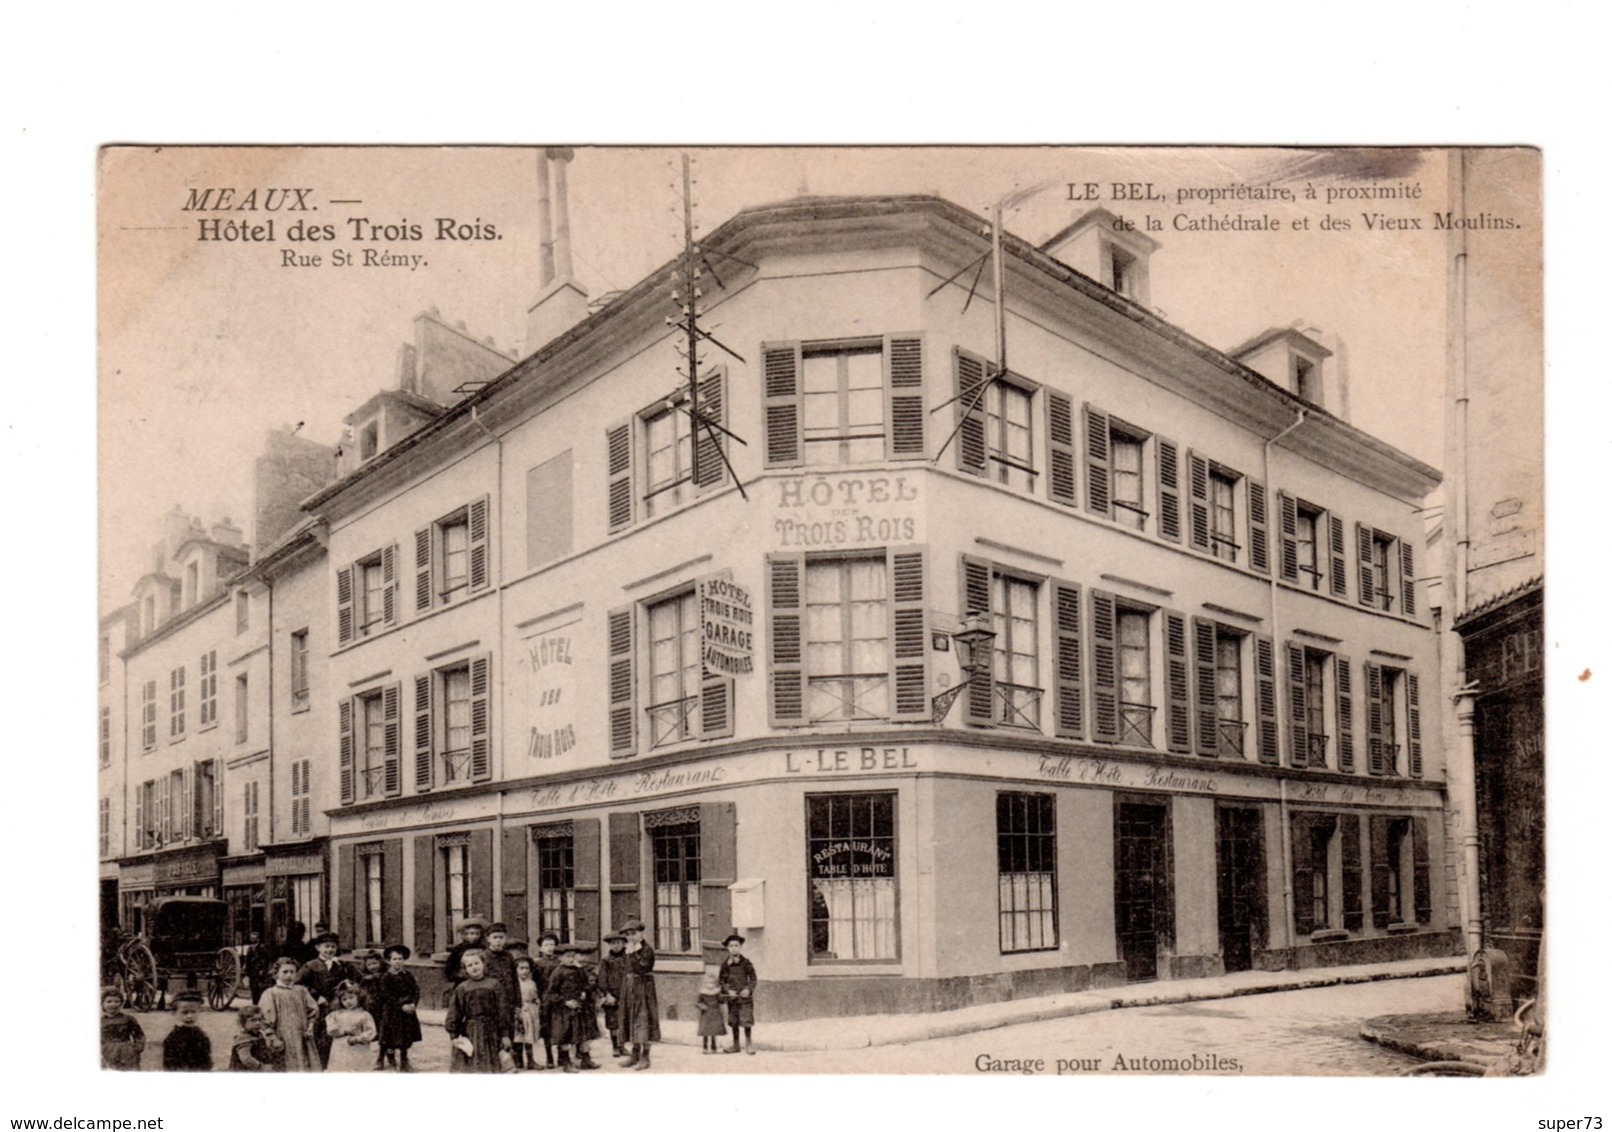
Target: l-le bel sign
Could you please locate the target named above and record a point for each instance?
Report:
(849, 760)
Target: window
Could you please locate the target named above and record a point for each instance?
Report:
(452, 726)
(450, 559)
(176, 703)
(455, 555)
(148, 714)
(308, 898)
(674, 842)
(369, 439)
(1398, 841)
(104, 660)
(1381, 554)
(371, 894)
(1126, 481)
(1135, 676)
(674, 669)
(301, 798)
(1315, 714)
(242, 710)
(669, 461)
(174, 810)
(371, 744)
(1306, 381)
(207, 690)
(1010, 452)
(1385, 724)
(843, 404)
(1229, 722)
(372, 592)
(1121, 271)
(249, 815)
(299, 670)
(207, 799)
(851, 857)
(847, 640)
(1401, 872)
(556, 882)
(1018, 676)
(243, 611)
(1319, 896)
(146, 816)
(106, 736)
(1309, 522)
(1223, 515)
(1026, 865)
(148, 614)
(455, 723)
(105, 827)
(192, 583)
(455, 853)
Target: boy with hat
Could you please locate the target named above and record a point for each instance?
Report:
(322, 975)
(470, 931)
(640, 1006)
(395, 1010)
(611, 973)
(544, 964)
(187, 1049)
(566, 1004)
(122, 1039)
(737, 978)
(501, 966)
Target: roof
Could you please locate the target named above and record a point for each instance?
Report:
(1272, 335)
(1533, 585)
(411, 399)
(1087, 219)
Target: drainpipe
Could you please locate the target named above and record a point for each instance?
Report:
(497, 521)
(1466, 703)
(1287, 869)
(1276, 646)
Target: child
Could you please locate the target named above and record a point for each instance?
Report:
(255, 1049)
(530, 1014)
(543, 968)
(122, 1039)
(501, 966)
(609, 984)
(322, 975)
(738, 978)
(712, 1025)
(479, 1020)
(352, 1031)
(290, 1012)
(640, 1006)
(397, 1004)
(187, 1049)
(470, 930)
(566, 1001)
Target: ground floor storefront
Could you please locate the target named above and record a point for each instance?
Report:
(916, 878)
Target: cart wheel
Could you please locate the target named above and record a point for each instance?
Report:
(140, 976)
(226, 977)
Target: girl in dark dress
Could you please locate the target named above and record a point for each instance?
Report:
(122, 1039)
(640, 1007)
(396, 1004)
(480, 1021)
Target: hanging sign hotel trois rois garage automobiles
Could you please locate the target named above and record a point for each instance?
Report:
(727, 627)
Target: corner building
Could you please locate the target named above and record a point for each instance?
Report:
(577, 681)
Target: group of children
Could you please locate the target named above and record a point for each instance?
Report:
(326, 1014)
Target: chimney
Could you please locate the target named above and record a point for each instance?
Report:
(561, 302)
(408, 369)
(176, 528)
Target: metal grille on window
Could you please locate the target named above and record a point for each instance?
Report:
(852, 867)
(1026, 855)
(847, 640)
(674, 669)
(1018, 676)
(675, 849)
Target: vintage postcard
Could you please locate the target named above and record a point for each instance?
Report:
(975, 611)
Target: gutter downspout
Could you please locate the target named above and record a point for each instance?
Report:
(497, 519)
(272, 752)
(1276, 644)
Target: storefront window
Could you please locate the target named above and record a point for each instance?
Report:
(676, 848)
(308, 899)
(556, 886)
(851, 863)
(1026, 854)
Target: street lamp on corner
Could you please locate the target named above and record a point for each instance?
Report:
(975, 640)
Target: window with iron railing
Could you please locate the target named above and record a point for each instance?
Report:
(1126, 480)
(674, 669)
(1135, 678)
(1230, 726)
(1223, 515)
(1018, 675)
(456, 724)
(847, 640)
(372, 766)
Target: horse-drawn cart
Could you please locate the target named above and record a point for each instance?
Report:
(186, 936)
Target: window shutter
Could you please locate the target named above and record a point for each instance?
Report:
(422, 569)
(625, 835)
(585, 877)
(1376, 763)
(623, 687)
(716, 708)
(1288, 517)
(979, 701)
(1069, 713)
(1198, 489)
(423, 768)
(1354, 914)
(970, 371)
(1338, 557)
(1303, 876)
(1203, 665)
(1169, 461)
(345, 711)
(786, 611)
(478, 550)
(618, 470)
(1298, 721)
(198, 820)
(1407, 578)
(480, 861)
(1413, 722)
(1265, 695)
(1060, 448)
(346, 897)
(1380, 868)
(392, 889)
(909, 638)
(1364, 537)
(708, 442)
(1259, 531)
(425, 900)
(1099, 463)
(1104, 669)
(1346, 715)
(218, 797)
(344, 605)
(719, 856)
(1421, 872)
(140, 818)
(904, 385)
(1177, 684)
(390, 726)
(481, 727)
(389, 582)
(781, 403)
(512, 879)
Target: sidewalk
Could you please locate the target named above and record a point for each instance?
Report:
(884, 1030)
(1443, 1037)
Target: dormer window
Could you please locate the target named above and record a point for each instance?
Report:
(148, 614)
(1306, 379)
(369, 439)
(192, 583)
(1121, 271)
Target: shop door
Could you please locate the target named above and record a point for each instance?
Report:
(1239, 865)
(1141, 887)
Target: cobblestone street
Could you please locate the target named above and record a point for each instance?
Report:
(1311, 1032)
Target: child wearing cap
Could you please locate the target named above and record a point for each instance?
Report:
(501, 966)
(640, 1006)
(187, 1048)
(611, 971)
(544, 964)
(479, 1021)
(566, 1003)
(712, 1024)
(122, 1039)
(470, 939)
(321, 975)
(255, 1049)
(738, 978)
(397, 1006)
(352, 1031)
(290, 1013)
